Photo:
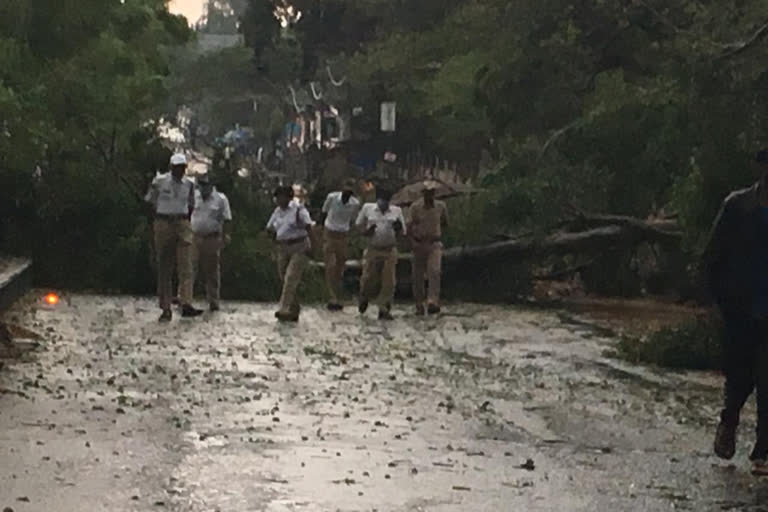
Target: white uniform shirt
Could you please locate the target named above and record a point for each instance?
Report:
(170, 196)
(209, 215)
(384, 236)
(286, 226)
(339, 215)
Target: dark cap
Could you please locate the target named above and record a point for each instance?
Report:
(204, 179)
(283, 190)
(349, 184)
(382, 193)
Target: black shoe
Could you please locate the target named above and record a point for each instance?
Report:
(385, 314)
(332, 306)
(214, 308)
(363, 306)
(188, 311)
(166, 316)
(420, 310)
(433, 309)
(287, 317)
(725, 441)
(175, 301)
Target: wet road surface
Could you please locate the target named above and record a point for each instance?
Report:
(487, 409)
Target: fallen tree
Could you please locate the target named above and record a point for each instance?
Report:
(584, 234)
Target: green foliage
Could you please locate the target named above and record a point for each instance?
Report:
(694, 345)
(78, 90)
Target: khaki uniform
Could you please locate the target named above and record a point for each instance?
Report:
(173, 247)
(290, 227)
(335, 256)
(426, 232)
(427, 266)
(173, 201)
(379, 272)
(206, 259)
(380, 259)
(292, 259)
(208, 221)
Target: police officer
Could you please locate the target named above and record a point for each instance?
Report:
(427, 217)
(172, 197)
(290, 224)
(381, 223)
(339, 211)
(210, 224)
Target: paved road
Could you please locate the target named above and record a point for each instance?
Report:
(492, 409)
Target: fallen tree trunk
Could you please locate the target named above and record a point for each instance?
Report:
(627, 234)
(663, 231)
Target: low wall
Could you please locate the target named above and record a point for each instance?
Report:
(15, 280)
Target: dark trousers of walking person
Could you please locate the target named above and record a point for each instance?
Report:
(745, 365)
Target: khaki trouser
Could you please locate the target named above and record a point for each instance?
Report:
(292, 259)
(206, 260)
(427, 264)
(335, 256)
(379, 267)
(173, 248)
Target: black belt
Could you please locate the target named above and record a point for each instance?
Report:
(164, 216)
(292, 241)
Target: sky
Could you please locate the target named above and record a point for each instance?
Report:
(192, 9)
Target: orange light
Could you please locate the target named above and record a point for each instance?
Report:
(51, 299)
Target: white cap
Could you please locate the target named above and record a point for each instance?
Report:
(179, 159)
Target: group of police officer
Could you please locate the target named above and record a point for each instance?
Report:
(191, 226)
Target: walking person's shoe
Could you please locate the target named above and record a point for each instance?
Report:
(420, 311)
(214, 307)
(725, 441)
(334, 307)
(385, 313)
(362, 307)
(166, 316)
(175, 301)
(433, 309)
(188, 311)
(760, 467)
(287, 317)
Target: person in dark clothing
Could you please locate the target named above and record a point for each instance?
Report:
(735, 263)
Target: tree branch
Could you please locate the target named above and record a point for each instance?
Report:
(737, 48)
(557, 134)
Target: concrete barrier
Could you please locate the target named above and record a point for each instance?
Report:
(15, 280)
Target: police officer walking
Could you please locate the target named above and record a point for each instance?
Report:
(211, 219)
(340, 210)
(172, 197)
(381, 222)
(289, 225)
(426, 219)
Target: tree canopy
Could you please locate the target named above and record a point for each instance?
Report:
(626, 107)
(81, 86)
